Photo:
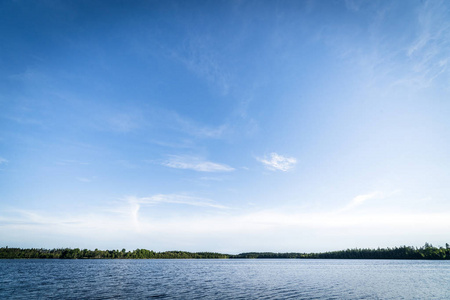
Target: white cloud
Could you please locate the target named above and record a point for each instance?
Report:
(3, 161)
(175, 199)
(135, 204)
(196, 164)
(278, 162)
(360, 199)
(264, 230)
(123, 224)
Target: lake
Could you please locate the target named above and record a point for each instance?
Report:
(224, 279)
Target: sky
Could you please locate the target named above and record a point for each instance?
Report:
(227, 126)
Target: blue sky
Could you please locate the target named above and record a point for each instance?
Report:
(225, 126)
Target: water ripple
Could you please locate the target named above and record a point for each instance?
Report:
(224, 279)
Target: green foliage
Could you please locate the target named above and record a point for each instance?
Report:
(270, 255)
(403, 252)
(76, 253)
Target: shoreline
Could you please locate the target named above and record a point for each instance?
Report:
(426, 252)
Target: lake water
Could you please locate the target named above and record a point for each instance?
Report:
(224, 279)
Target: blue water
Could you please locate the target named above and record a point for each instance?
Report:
(224, 279)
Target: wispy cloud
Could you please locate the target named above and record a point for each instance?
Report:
(175, 199)
(196, 164)
(192, 128)
(278, 162)
(209, 178)
(136, 203)
(124, 122)
(264, 230)
(182, 143)
(86, 179)
(65, 162)
(23, 119)
(428, 53)
(32, 76)
(353, 5)
(127, 164)
(394, 56)
(29, 217)
(120, 214)
(198, 56)
(3, 161)
(360, 199)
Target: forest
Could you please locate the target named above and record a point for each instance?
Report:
(427, 251)
(404, 252)
(77, 253)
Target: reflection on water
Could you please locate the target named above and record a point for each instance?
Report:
(224, 279)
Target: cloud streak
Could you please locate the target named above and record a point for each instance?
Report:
(135, 204)
(360, 199)
(428, 53)
(277, 162)
(196, 164)
(263, 229)
(175, 199)
(192, 128)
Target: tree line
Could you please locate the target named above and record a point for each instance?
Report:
(77, 253)
(427, 251)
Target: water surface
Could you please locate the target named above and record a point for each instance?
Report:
(224, 279)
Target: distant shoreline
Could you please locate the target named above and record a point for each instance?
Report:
(426, 252)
